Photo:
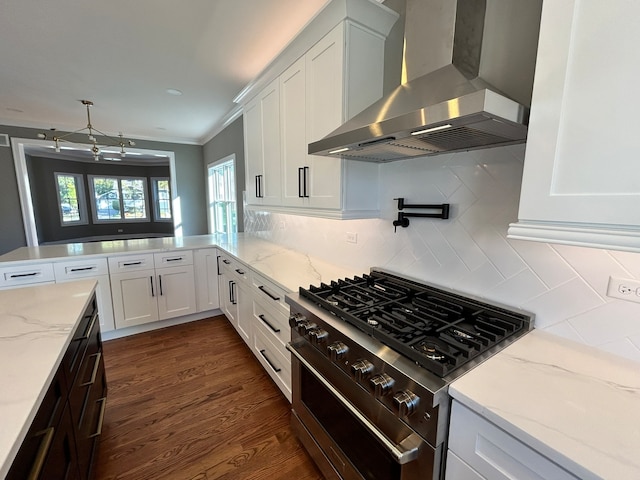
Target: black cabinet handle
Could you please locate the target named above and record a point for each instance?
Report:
(18, 275)
(275, 330)
(151, 280)
(306, 181)
(82, 269)
(275, 369)
(240, 272)
(259, 193)
(218, 264)
(131, 264)
(160, 283)
(267, 292)
(232, 292)
(300, 181)
(174, 259)
(226, 262)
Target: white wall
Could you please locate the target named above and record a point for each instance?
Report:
(564, 286)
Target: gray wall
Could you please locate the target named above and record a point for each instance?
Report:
(190, 185)
(228, 141)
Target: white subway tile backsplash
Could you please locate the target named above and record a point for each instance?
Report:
(563, 286)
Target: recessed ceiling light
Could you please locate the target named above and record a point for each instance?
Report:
(174, 91)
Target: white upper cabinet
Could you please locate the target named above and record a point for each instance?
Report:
(323, 80)
(581, 179)
(262, 147)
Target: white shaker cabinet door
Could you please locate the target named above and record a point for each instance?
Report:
(134, 298)
(581, 180)
(206, 273)
(175, 294)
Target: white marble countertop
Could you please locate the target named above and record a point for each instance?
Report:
(35, 330)
(578, 406)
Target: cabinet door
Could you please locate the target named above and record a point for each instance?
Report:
(580, 179)
(206, 271)
(293, 132)
(176, 291)
(324, 64)
(134, 298)
(252, 119)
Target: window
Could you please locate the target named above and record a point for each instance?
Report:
(161, 199)
(120, 199)
(71, 201)
(221, 193)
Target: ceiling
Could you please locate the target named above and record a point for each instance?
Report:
(125, 55)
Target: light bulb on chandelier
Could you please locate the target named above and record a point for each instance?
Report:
(119, 142)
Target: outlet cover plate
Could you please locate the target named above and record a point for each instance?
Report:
(624, 289)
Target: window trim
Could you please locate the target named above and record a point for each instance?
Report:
(80, 195)
(210, 201)
(156, 200)
(122, 219)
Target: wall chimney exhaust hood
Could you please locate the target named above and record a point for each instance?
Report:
(470, 67)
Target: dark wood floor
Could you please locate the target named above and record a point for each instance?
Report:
(192, 402)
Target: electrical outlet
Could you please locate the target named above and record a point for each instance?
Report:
(352, 237)
(624, 288)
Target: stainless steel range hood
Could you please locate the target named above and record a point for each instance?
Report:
(470, 66)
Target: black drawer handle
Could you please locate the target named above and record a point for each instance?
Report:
(100, 418)
(175, 259)
(275, 369)
(241, 272)
(82, 269)
(225, 261)
(130, 264)
(43, 451)
(87, 332)
(267, 292)
(20, 275)
(94, 373)
(275, 330)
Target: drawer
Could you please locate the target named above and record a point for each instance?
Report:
(65, 271)
(173, 259)
(270, 292)
(277, 324)
(275, 360)
(127, 263)
(89, 325)
(458, 470)
(235, 269)
(495, 454)
(19, 275)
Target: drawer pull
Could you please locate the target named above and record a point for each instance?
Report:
(275, 369)
(275, 330)
(94, 373)
(43, 451)
(174, 259)
(81, 269)
(100, 418)
(20, 275)
(225, 261)
(267, 292)
(87, 332)
(240, 272)
(130, 264)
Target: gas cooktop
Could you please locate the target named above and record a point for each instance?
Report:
(437, 329)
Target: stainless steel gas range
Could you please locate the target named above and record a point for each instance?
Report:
(372, 358)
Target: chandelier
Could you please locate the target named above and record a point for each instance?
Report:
(119, 142)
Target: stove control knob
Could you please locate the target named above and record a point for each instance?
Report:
(337, 351)
(406, 402)
(318, 336)
(382, 384)
(307, 328)
(296, 319)
(361, 369)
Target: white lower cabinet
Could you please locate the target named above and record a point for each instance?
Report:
(276, 362)
(28, 274)
(206, 272)
(95, 269)
(141, 294)
(478, 449)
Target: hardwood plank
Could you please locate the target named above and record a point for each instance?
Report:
(192, 402)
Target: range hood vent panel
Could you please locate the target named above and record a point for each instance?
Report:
(477, 114)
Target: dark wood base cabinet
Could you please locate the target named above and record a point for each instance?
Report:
(63, 439)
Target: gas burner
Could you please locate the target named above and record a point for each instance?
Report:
(433, 349)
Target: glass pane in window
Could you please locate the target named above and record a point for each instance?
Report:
(107, 198)
(68, 192)
(133, 198)
(164, 199)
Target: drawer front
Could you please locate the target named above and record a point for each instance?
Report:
(88, 268)
(495, 454)
(458, 470)
(270, 292)
(18, 276)
(173, 259)
(234, 269)
(277, 324)
(127, 263)
(275, 361)
(72, 360)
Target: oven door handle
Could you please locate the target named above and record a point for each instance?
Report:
(404, 452)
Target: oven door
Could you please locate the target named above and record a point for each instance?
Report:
(348, 433)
